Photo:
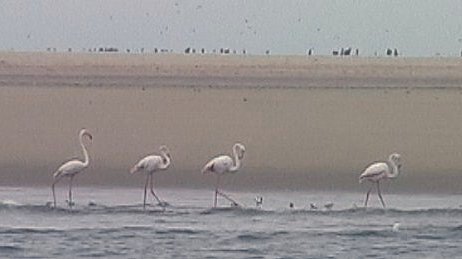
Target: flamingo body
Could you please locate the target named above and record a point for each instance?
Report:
(219, 165)
(381, 170)
(222, 165)
(151, 164)
(375, 172)
(72, 168)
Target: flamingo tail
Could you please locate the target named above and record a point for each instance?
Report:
(57, 174)
(207, 168)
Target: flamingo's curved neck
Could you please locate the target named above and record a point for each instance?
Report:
(165, 161)
(394, 169)
(237, 161)
(86, 161)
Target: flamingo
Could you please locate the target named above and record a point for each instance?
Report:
(381, 170)
(72, 168)
(151, 164)
(224, 164)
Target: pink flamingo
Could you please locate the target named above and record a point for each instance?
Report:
(381, 170)
(151, 164)
(224, 164)
(72, 168)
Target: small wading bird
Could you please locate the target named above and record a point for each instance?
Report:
(313, 206)
(258, 201)
(224, 164)
(149, 165)
(381, 170)
(72, 168)
(329, 205)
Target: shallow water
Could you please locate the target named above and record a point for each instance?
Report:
(112, 223)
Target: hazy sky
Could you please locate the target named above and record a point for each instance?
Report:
(417, 28)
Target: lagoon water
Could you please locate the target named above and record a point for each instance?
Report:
(108, 222)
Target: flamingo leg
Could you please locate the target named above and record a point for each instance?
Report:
(228, 198)
(216, 192)
(380, 194)
(70, 191)
(367, 196)
(145, 191)
(153, 193)
(53, 190)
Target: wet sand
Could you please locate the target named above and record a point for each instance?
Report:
(307, 123)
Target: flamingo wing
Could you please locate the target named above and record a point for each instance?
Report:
(220, 164)
(374, 172)
(209, 167)
(69, 168)
(148, 164)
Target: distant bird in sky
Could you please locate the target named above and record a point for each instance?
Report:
(72, 168)
(149, 165)
(381, 170)
(222, 165)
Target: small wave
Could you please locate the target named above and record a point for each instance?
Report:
(354, 212)
(137, 228)
(457, 228)
(439, 236)
(454, 232)
(279, 233)
(252, 251)
(253, 237)
(187, 231)
(10, 249)
(429, 211)
(365, 233)
(94, 209)
(237, 211)
(220, 210)
(379, 211)
(29, 230)
(260, 236)
(9, 203)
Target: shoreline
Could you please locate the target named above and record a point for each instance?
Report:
(138, 187)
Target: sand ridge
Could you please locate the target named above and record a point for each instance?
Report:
(178, 69)
(299, 133)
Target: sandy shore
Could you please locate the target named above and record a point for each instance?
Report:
(307, 122)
